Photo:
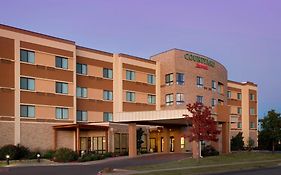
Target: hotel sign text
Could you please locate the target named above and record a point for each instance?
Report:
(199, 59)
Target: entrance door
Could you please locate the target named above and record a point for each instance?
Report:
(172, 144)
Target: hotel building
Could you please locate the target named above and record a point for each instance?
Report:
(54, 93)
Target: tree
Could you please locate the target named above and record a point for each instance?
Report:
(237, 142)
(139, 139)
(251, 144)
(271, 129)
(204, 127)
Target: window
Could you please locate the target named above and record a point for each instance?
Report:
(61, 62)
(82, 116)
(199, 99)
(151, 99)
(107, 73)
(107, 117)
(169, 99)
(150, 79)
(180, 78)
(27, 56)
(214, 102)
(130, 75)
(220, 101)
(61, 88)
(252, 97)
(252, 111)
(61, 113)
(107, 95)
(27, 111)
(81, 92)
(239, 125)
(27, 83)
(169, 79)
(200, 81)
(220, 88)
(239, 96)
(229, 94)
(179, 98)
(130, 96)
(252, 125)
(239, 110)
(81, 69)
(214, 85)
(182, 143)
(99, 144)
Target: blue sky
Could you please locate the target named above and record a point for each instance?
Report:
(244, 35)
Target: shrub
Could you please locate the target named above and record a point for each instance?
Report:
(10, 150)
(23, 152)
(90, 157)
(108, 154)
(209, 151)
(237, 142)
(49, 154)
(65, 155)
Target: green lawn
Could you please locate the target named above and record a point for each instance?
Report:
(234, 161)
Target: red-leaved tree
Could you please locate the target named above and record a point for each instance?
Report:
(204, 127)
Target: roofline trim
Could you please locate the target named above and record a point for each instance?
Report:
(36, 34)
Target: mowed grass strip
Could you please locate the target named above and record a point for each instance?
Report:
(210, 170)
(222, 159)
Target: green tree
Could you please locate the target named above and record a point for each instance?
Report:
(139, 139)
(237, 142)
(271, 129)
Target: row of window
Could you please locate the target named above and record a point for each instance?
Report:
(131, 75)
(252, 97)
(169, 99)
(169, 80)
(28, 84)
(252, 111)
(131, 97)
(252, 125)
(61, 113)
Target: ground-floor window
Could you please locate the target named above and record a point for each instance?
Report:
(120, 142)
(182, 142)
(99, 144)
(153, 146)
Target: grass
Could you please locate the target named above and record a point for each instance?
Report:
(234, 161)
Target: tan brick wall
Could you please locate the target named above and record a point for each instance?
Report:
(7, 133)
(37, 136)
(65, 139)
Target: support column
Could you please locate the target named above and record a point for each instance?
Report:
(77, 140)
(225, 138)
(55, 139)
(132, 140)
(106, 141)
(166, 139)
(195, 150)
(177, 143)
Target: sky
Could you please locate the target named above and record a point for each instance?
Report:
(243, 35)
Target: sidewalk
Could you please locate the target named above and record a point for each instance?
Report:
(131, 172)
(46, 162)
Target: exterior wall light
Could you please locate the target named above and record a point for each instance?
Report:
(8, 159)
(38, 157)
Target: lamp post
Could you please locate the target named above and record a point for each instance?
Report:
(8, 159)
(38, 158)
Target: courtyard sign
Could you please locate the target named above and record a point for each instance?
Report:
(199, 59)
